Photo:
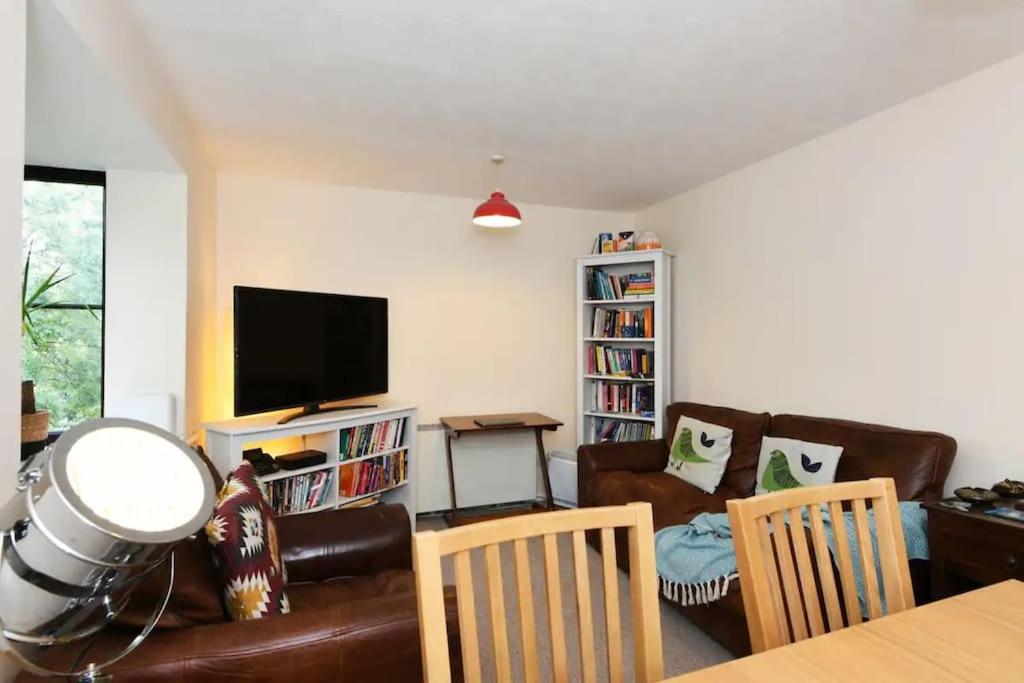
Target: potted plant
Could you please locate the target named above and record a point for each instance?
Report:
(35, 424)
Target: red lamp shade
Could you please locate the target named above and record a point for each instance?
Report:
(497, 212)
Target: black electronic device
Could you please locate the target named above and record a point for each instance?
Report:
(261, 462)
(303, 349)
(300, 459)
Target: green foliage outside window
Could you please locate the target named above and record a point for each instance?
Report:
(63, 228)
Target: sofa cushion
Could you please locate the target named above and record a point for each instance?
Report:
(917, 461)
(699, 453)
(195, 597)
(303, 596)
(747, 430)
(791, 463)
(673, 500)
(243, 535)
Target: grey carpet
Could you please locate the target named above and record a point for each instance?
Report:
(686, 648)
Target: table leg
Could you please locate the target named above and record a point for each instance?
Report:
(451, 476)
(544, 467)
(941, 587)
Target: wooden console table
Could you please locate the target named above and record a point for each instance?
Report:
(970, 549)
(455, 427)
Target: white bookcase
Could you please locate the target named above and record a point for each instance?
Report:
(225, 442)
(590, 418)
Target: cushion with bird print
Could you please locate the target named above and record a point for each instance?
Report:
(243, 536)
(790, 463)
(699, 453)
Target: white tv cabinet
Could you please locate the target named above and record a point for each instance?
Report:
(226, 440)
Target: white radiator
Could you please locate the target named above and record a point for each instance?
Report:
(562, 469)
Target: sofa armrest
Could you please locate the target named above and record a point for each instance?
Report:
(634, 456)
(339, 543)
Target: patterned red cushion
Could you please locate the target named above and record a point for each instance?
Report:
(243, 535)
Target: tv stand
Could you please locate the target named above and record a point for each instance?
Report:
(317, 408)
(227, 440)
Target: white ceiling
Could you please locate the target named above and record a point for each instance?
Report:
(76, 116)
(610, 104)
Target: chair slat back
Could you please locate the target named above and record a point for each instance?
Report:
(430, 547)
(788, 592)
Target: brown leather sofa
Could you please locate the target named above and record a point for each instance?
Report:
(353, 611)
(618, 473)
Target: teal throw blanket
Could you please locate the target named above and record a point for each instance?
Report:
(696, 561)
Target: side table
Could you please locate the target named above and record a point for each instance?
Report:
(456, 427)
(969, 549)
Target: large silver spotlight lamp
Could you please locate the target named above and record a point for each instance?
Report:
(94, 513)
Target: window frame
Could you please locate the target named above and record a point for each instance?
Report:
(74, 176)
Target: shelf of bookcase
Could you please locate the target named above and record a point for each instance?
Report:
(644, 299)
(618, 416)
(346, 461)
(284, 474)
(318, 508)
(342, 500)
(613, 378)
(618, 340)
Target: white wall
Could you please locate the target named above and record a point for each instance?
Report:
(146, 286)
(201, 322)
(873, 274)
(479, 322)
(12, 171)
(109, 30)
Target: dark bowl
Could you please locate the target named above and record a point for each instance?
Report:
(1008, 488)
(976, 495)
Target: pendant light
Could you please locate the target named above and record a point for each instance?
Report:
(497, 212)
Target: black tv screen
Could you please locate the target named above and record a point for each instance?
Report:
(302, 348)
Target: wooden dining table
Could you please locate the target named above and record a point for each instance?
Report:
(976, 636)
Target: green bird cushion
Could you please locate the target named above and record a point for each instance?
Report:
(699, 453)
(790, 463)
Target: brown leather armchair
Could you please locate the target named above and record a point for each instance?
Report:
(353, 610)
(619, 473)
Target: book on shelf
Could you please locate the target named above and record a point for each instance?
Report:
(639, 284)
(372, 438)
(617, 397)
(621, 323)
(620, 362)
(622, 430)
(300, 493)
(361, 503)
(369, 476)
(603, 286)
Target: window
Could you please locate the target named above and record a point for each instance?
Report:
(62, 337)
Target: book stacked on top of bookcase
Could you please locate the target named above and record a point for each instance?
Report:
(611, 323)
(300, 493)
(357, 442)
(603, 286)
(376, 474)
(617, 362)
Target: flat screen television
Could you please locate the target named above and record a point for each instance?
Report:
(303, 349)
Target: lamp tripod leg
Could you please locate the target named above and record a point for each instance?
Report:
(94, 675)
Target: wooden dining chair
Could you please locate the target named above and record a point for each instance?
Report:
(430, 547)
(785, 585)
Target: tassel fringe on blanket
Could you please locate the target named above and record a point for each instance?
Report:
(687, 594)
